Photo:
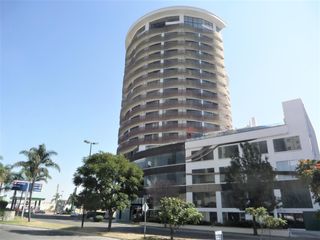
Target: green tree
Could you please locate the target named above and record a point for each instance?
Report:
(251, 179)
(110, 182)
(261, 215)
(36, 167)
(177, 212)
(309, 172)
(5, 176)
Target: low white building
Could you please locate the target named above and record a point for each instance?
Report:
(284, 145)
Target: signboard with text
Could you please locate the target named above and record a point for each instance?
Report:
(23, 185)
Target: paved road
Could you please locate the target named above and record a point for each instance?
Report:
(11, 232)
(22, 233)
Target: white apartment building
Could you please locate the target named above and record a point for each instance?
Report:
(284, 145)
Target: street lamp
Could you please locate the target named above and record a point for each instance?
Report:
(91, 143)
(83, 210)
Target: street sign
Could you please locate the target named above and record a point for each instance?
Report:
(23, 186)
(37, 187)
(145, 207)
(19, 186)
(218, 235)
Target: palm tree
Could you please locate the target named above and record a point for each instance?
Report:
(36, 167)
(5, 176)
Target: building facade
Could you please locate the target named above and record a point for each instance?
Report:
(194, 170)
(283, 145)
(175, 85)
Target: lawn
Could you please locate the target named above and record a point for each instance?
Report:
(86, 230)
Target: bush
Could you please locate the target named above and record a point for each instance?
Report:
(3, 204)
(98, 218)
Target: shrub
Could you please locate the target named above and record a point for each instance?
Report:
(98, 218)
(3, 204)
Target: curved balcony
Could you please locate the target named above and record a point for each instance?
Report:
(160, 140)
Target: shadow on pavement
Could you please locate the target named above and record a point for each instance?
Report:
(44, 232)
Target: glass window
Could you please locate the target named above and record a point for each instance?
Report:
(135, 117)
(135, 107)
(170, 134)
(151, 137)
(203, 176)
(211, 126)
(152, 103)
(222, 173)
(176, 178)
(228, 151)
(194, 124)
(170, 90)
(204, 199)
(170, 123)
(172, 112)
(261, 146)
(151, 125)
(227, 199)
(286, 144)
(151, 93)
(165, 159)
(171, 100)
(154, 113)
(153, 82)
(194, 112)
(134, 129)
(202, 155)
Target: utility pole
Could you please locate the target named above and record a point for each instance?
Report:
(83, 208)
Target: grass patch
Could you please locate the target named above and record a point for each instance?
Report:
(35, 223)
(137, 236)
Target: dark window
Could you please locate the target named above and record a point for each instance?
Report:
(151, 137)
(194, 112)
(172, 112)
(171, 124)
(135, 117)
(170, 134)
(153, 103)
(202, 155)
(286, 144)
(228, 151)
(261, 146)
(211, 126)
(153, 92)
(191, 124)
(151, 125)
(134, 129)
(204, 199)
(135, 107)
(172, 100)
(227, 199)
(203, 176)
(222, 173)
(154, 113)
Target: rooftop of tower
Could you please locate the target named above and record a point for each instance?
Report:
(169, 11)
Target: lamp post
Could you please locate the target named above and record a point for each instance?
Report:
(83, 210)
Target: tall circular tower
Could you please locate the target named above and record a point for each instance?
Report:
(175, 84)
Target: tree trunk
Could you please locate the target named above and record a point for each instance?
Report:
(171, 232)
(30, 198)
(255, 232)
(19, 202)
(1, 188)
(14, 199)
(110, 215)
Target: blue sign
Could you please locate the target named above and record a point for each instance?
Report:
(22, 186)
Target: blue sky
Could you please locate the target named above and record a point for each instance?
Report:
(62, 65)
